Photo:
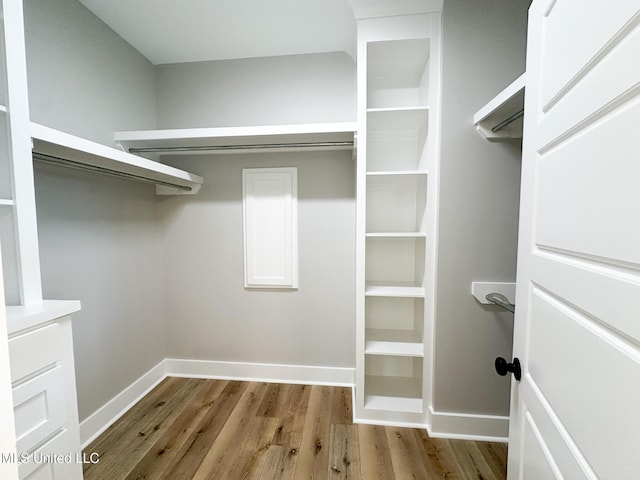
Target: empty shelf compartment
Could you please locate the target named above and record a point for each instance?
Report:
(395, 260)
(398, 72)
(393, 383)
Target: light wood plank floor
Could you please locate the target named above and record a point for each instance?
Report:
(228, 430)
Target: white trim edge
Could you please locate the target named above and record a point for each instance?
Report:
(105, 416)
(466, 426)
(261, 372)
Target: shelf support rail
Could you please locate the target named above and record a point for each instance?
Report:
(104, 171)
(255, 146)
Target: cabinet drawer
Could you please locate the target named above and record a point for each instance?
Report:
(39, 408)
(32, 351)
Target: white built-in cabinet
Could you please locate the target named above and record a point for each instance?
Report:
(44, 390)
(398, 118)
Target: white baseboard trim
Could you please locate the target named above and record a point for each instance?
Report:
(111, 411)
(465, 426)
(261, 372)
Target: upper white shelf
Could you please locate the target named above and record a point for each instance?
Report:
(61, 148)
(272, 138)
(501, 118)
(408, 291)
(396, 235)
(402, 343)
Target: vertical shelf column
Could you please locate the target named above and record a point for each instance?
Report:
(398, 152)
(18, 226)
(7, 232)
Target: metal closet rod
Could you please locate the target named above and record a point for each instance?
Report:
(508, 121)
(65, 162)
(253, 146)
(501, 301)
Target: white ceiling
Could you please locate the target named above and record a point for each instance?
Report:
(172, 31)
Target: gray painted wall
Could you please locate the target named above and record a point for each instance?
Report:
(100, 238)
(100, 242)
(211, 316)
(483, 51)
(257, 91)
(83, 78)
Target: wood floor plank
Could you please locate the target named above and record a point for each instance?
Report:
(206, 432)
(313, 459)
(405, 453)
(172, 445)
(290, 431)
(344, 453)
(269, 465)
(496, 456)
(228, 439)
(124, 444)
(439, 460)
(375, 458)
(472, 464)
(215, 429)
(341, 408)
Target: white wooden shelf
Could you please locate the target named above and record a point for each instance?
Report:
(403, 343)
(396, 394)
(272, 138)
(492, 120)
(398, 173)
(58, 147)
(397, 118)
(409, 291)
(5, 202)
(396, 235)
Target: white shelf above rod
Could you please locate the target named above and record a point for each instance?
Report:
(61, 148)
(501, 118)
(271, 138)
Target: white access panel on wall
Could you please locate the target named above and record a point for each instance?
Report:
(270, 227)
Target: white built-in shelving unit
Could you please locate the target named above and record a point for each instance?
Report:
(18, 232)
(398, 85)
(271, 138)
(501, 118)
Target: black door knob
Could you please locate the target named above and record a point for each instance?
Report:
(502, 367)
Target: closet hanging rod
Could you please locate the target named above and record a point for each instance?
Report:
(254, 146)
(501, 301)
(508, 121)
(104, 171)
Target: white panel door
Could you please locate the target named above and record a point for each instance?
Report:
(576, 412)
(270, 227)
